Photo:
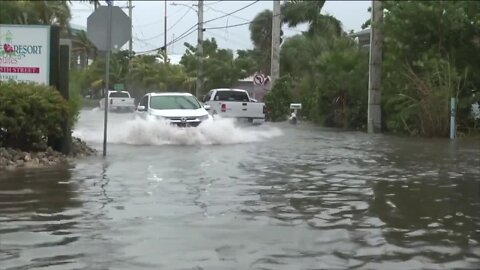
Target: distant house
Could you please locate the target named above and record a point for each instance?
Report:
(363, 38)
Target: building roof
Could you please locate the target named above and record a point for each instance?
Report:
(364, 33)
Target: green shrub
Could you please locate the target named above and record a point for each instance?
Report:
(278, 100)
(30, 114)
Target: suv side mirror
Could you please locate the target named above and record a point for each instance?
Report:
(207, 107)
(141, 108)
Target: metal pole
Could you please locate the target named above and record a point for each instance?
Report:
(130, 45)
(199, 48)
(165, 32)
(453, 109)
(374, 118)
(275, 57)
(107, 75)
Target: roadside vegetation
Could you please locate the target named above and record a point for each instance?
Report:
(430, 55)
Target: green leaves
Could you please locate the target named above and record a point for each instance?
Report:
(218, 65)
(427, 46)
(30, 113)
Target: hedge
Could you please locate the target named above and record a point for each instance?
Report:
(30, 114)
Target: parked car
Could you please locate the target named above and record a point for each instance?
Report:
(119, 101)
(235, 103)
(180, 109)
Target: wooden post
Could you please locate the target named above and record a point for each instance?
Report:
(275, 57)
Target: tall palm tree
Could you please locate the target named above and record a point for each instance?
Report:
(261, 36)
(83, 47)
(295, 12)
(36, 12)
(95, 3)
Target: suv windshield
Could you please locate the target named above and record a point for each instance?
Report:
(174, 103)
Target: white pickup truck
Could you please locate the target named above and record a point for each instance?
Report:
(234, 103)
(119, 101)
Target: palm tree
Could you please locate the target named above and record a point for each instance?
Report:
(36, 12)
(95, 3)
(83, 47)
(296, 12)
(261, 36)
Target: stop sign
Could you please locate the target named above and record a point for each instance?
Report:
(97, 27)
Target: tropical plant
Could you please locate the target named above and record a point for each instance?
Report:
(83, 47)
(261, 36)
(219, 69)
(36, 12)
(279, 98)
(295, 12)
(424, 42)
(30, 114)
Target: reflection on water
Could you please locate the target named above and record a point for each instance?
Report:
(310, 199)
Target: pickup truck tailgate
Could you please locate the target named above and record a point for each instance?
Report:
(239, 109)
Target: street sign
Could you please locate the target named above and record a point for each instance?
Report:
(258, 79)
(108, 28)
(97, 28)
(119, 87)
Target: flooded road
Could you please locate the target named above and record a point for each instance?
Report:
(224, 197)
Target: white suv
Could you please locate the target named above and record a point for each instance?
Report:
(181, 109)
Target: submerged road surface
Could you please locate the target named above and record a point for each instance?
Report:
(275, 196)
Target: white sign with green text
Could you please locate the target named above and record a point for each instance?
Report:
(25, 53)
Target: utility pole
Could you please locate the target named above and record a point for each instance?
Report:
(199, 49)
(275, 57)
(165, 33)
(374, 117)
(130, 15)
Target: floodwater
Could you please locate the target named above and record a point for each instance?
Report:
(222, 196)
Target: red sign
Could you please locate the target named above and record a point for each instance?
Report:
(20, 69)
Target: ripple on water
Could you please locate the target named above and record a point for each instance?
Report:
(310, 199)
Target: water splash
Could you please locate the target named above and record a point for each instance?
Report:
(128, 129)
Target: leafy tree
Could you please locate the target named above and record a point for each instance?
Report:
(219, 69)
(36, 12)
(296, 12)
(261, 36)
(82, 47)
(279, 98)
(424, 42)
(246, 62)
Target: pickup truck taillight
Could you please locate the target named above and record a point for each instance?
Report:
(224, 107)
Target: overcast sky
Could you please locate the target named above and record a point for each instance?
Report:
(148, 21)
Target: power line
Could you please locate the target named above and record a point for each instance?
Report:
(184, 35)
(233, 12)
(159, 21)
(180, 19)
(228, 26)
(219, 11)
(214, 3)
(190, 31)
(161, 34)
(229, 39)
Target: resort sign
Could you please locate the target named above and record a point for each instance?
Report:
(25, 53)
